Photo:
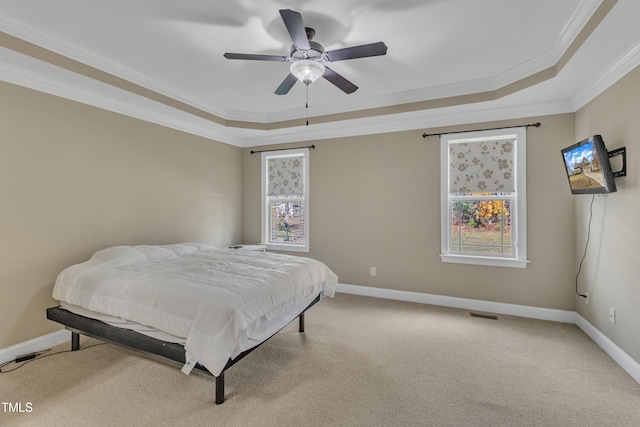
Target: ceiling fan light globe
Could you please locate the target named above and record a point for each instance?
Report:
(307, 71)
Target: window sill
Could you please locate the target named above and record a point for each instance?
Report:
(286, 248)
(487, 261)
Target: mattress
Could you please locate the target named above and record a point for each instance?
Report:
(124, 324)
(269, 329)
(219, 301)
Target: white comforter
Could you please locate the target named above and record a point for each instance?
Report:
(214, 298)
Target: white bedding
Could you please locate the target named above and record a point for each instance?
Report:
(217, 299)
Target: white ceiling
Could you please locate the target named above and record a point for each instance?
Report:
(437, 50)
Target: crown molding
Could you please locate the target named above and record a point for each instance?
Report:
(417, 120)
(90, 92)
(625, 63)
(46, 41)
(583, 13)
(29, 72)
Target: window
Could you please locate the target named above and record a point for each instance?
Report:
(483, 198)
(285, 200)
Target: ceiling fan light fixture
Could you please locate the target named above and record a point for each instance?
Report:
(307, 71)
(306, 56)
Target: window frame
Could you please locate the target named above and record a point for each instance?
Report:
(518, 200)
(265, 211)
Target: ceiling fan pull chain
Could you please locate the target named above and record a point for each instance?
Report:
(306, 105)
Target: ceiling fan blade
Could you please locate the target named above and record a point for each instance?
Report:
(256, 57)
(295, 26)
(340, 82)
(286, 85)
(362, 51)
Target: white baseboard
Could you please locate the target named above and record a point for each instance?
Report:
(563, 316)
(625, 361)
(35, 345)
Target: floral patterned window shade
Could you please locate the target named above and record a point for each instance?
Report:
(284, 188)
(482, 166)
(483, 197)
(286, 176)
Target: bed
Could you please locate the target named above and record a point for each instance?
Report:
(192, 303)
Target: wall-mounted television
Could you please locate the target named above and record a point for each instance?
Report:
(588, 167)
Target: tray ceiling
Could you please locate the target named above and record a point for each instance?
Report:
(448, 61)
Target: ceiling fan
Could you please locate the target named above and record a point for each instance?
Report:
(307, 57)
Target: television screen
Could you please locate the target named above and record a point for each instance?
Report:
(588, 168)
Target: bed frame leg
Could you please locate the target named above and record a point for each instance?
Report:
(220, 389)
(301, 323)
(75, 341)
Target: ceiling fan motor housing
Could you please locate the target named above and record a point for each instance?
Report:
(315, 53)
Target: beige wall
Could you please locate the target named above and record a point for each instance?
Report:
(74, 179)
(375, 202)
(611, 270)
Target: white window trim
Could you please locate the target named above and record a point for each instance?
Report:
(520, 232)
(264, 212)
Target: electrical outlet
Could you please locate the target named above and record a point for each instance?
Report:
(372, 271)
(612, 315)
(586, 299)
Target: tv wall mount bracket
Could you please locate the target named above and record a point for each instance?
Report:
(620, 151)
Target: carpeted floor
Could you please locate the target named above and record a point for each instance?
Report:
(362, 362)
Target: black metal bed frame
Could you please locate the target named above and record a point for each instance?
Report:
(78, 325)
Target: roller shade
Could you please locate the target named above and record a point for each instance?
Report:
(482, 166)
(286, 176)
